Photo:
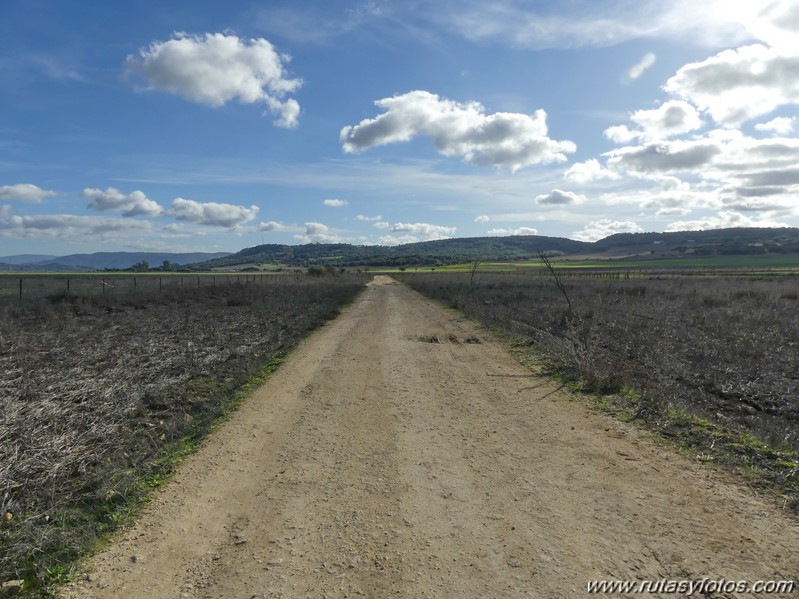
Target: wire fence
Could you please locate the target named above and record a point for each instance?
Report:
(25, 289)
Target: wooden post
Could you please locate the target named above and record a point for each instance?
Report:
(134, 282)
(160, 286)
(20, 292)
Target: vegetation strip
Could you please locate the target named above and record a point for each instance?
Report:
(663, 354)
(103, 397)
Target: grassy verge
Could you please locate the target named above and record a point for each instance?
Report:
(663, 355)
(765, 469)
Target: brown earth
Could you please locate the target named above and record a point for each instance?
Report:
(401, 451)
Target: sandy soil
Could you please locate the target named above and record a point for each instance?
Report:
(400, 451)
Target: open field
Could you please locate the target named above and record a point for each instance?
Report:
(101, 395)
(27, 288)
(723, 351)
(402, 451)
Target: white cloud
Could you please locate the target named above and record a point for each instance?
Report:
(482, 219)
(377, 221)
(318, 233)
(510, 140)
(558, 197)
(67, 227)
(134, 204)
(397, 239)
(335, 203)
(664, 156)
(588, 172)
(271, 226)
(710, 23)
(780, 125)
(674, 117)
(737, 85)
(605, 227)
(425, 230)
(724, 220)
(217, 68)
(517, 231)
(26, 192)
(525, 231)
(316, 229)
(646, 62)
(212, 213)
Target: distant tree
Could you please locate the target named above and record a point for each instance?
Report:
(142, 266)
(168, 266)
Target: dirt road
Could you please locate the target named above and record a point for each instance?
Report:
(402, 452)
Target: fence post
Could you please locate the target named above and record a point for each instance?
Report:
(160, 286)
(20, 292)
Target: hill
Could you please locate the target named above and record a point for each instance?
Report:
(740, 241)
(102, 261)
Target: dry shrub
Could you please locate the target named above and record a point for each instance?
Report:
(94, 389)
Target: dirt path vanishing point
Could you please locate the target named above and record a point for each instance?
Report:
(400, 452)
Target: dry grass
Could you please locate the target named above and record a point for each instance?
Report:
(99, 397)
(720, 355)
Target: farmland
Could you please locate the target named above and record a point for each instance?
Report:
(105, 388)
(717, 352)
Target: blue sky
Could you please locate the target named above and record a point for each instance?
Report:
(216, 126)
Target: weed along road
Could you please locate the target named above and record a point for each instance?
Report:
(400, 451)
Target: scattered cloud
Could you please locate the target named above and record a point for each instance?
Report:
(318, 233)
(133, 204)
(724, 220)
(780, 125)
(740, 84)
(517, 231)
(482, 219)
(305, 25)
(26, 192)
(638, 69)
(67, 227)
(589, 23)
(662, 157)
(605, 227)
(212, 214)
(381, 224)
(674, 117)
(558, 198)
(368, 219)
(397, 239)
(316, 228)
(216, 68)
(334, 203)
(588, 172)
(424, 230)
(272, 226)
(509, 140)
